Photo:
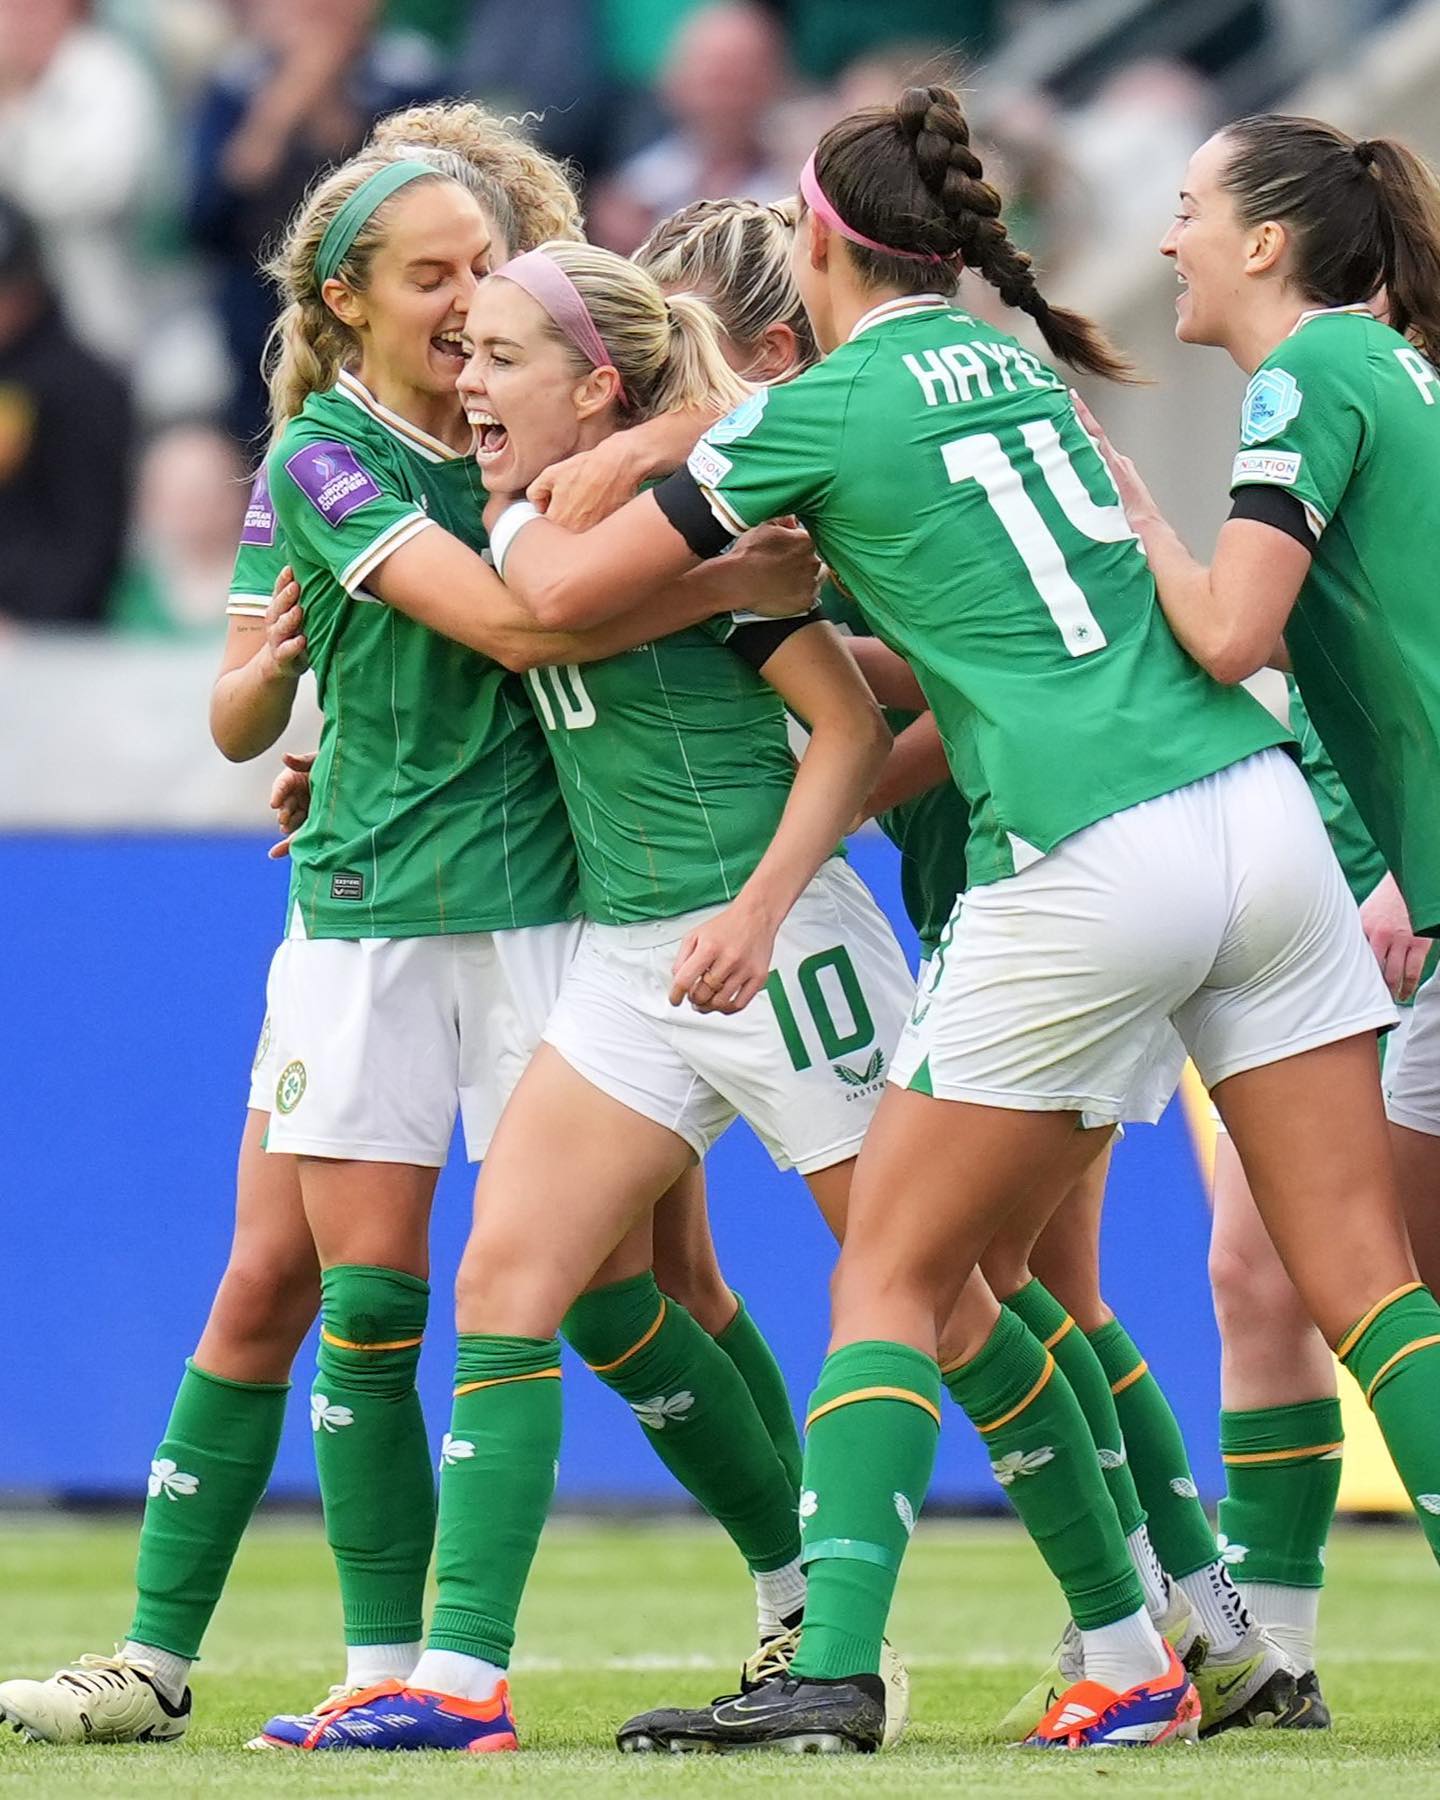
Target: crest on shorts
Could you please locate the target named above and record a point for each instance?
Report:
(1271, 402)
(290, 1088)
(862, 1078)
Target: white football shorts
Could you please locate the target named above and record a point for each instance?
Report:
(804, 1063)
(1217, 912)
(262, 1069)
(377, 1042)
(1411, 1072)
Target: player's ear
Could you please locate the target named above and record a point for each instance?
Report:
(817, 240)
(776, 352)
(1265, 247)
(595, 391)
(347, 306)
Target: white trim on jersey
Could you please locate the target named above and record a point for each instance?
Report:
(901, 308)
(247, 606)
(389, 540)
(413, 438)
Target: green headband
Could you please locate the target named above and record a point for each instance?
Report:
(372, 193)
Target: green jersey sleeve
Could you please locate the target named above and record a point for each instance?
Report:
(338, 509)
(260, 556)
(769, 456)
(1305, 421)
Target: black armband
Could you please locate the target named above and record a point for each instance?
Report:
(1274, 506)
(682, 500)
(757, 640)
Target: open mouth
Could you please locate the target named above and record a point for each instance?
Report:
(491, 436)
(451, 346)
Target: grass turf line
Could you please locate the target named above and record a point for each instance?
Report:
(621, 1618)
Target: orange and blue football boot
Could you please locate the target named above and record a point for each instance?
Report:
(390, 1716)
(1088, 1716)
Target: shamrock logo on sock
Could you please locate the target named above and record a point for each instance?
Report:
(809, 1506)
(1021, 1462)
(328, 1418)
(1431, 1502)
(454, 1450)
(1231, 1554)
(1184, 1489)
(905, 1512)
(168, 1478)
(656, 1413)
(1112, 1459)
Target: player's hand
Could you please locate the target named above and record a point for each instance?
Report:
(782, 571)
(1400, 954)
(584, 489)
(1135, 497)
(285, 628)
(723, 964)
(290, 799)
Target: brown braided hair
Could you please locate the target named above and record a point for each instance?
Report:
(908, 175)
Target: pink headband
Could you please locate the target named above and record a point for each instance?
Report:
(813, 195)
(550, 287)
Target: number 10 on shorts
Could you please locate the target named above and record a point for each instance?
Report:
(826, 973)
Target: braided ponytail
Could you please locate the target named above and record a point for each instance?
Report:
(908, 175)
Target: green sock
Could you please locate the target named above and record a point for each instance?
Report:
(371, 1449)
(1179, 1530)
(1043, 1455)
(869, 1450)
(696, 1410)
(497, 1477)
(1394, 1353)
(744, 1343)
(1282, 1478)
(206, 1479)
(1038, 1309)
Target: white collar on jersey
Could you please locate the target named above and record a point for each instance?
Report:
(413, 438)
(901, 308)
(1324, 312)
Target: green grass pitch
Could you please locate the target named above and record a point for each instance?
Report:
(626, 1615)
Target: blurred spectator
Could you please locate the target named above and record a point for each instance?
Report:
(80, 132)
(1130, 144)
(559, 74)
(720, 84)
(189, 510)
(65, 446)
(302, 91)
(825, 35)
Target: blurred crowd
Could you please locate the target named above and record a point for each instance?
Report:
(150, 148)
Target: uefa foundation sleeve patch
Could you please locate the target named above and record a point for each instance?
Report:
(259, 527)
(332, 480)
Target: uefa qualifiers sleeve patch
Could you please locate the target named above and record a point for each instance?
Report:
(1271, 401)
(259, 527)
(332, 480)
(1278, 466)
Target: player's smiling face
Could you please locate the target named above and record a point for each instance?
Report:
(439, 244)
(522, 395)
(1211, 249)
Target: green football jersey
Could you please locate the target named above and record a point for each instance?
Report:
(434, 804)
(945, 477)
(1343, 414)
(1362, 863)
(675, 763)
(260, 556)
(931, 830)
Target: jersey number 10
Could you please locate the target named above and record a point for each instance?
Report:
(568, 691)
(982, 458)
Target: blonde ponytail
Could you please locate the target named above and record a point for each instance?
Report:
(667, 352)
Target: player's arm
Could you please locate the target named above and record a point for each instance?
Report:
(723, 964)
(260, 665)
(1231, 614)
(583, 489)
(892, 680)
(915, 764)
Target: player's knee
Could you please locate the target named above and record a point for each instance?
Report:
(699, 1287)
(265, 1303)
(372, 1324)
(1253, 1294)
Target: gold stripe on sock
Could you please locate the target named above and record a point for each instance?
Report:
(345, 1344)
(1399, 1356)
(1356, 1332)
(1125, 1381)
(1055, 1336)
(1015, 1411)
(1270, 1456)
(635, 1348)
(471, 1387)
(875, 1393)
